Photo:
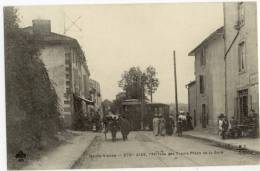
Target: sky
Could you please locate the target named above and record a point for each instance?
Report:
(116, 37)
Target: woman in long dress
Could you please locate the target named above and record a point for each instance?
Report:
(162, 129)
(169, 125)
(156, 125)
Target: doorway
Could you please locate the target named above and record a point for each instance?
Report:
(243, 104)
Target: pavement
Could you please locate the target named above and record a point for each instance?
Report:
(65, 155)
(195, 148)
(247, 144)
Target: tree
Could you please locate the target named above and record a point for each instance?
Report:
(136, 82)
(133, 83)
(152, 82)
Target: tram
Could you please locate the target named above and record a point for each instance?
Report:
(136, 112)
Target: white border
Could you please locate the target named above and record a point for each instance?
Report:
(3, 152)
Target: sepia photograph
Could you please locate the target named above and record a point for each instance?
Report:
(131, 85)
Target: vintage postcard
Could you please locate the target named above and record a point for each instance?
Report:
(138, 85)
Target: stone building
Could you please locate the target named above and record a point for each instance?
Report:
(209, 77)
(95, 95)
(241, 60)
(67, 68)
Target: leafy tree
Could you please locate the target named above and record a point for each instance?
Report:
(152, 82)
(137, 83)
(133, 83)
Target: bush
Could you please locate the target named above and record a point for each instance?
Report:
(32, 114)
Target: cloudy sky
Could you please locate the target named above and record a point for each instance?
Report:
(116, 37)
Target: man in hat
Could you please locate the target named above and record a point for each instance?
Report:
(225, 125)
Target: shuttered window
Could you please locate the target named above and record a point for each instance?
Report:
(241, 14)
(242, 56)
(202, 86)
(202, 57)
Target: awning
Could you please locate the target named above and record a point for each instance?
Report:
(85, 100)
(131, 102)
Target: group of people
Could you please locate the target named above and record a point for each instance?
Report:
(230, 128)
(184, 123)
(159, 127)
(165, 125)
(114, 123)
(223, 125)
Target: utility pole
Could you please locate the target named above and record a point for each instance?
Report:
(175, 84)
(142, 102)
(73, 23)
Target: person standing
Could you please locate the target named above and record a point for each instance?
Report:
(225, 126)
(96, 122)
(220, 123)
(105, 125)
(169, 125)
(156, 125)
(162, 129)
(254, 122)
(234, 132)
(189, 121)
(179, 127)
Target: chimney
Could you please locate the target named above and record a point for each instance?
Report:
(41, 26)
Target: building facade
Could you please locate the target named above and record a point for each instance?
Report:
(210, 81)
(95, 95)
(241, 60)
(67, 69)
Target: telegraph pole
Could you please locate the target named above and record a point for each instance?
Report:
(142, 103)
(175, 85)
(73, 23)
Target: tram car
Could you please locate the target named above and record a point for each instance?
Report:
(134, 111)
(159, 109)
(131, 108)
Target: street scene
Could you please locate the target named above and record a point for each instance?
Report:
(131, 85)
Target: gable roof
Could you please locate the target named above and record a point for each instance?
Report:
(218, 32)
(54, 38)
(50, 37)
